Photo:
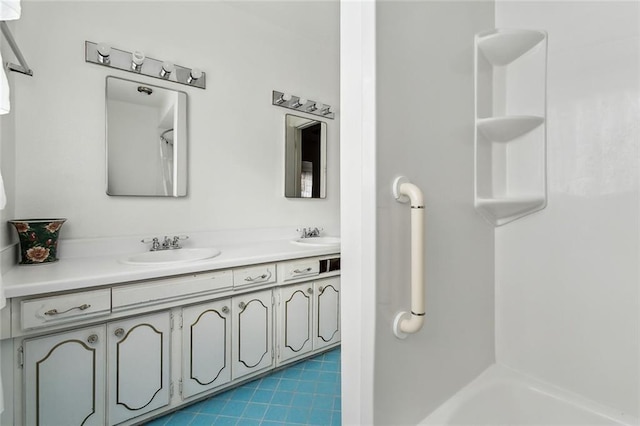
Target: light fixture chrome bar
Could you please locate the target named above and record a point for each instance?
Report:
(122, 60)
(23, 68)
(300, 104)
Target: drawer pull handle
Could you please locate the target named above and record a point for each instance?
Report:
(242, 305)
(56, 312)
(92, 339)
(304, 271)
(225, 310)
(258, 278)
(119, 332)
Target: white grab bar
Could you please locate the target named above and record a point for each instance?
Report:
(411, 322)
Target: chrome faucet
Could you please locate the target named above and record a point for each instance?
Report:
(168, 243)
(309, 232)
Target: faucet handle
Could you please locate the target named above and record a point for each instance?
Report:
(155, 243)
(175, 243)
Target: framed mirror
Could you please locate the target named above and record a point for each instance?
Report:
(305, 158)
(146, 138)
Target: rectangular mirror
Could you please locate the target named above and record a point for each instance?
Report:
(146, 134)
(305, 158)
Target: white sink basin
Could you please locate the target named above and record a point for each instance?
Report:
(318, 242)
(169, 257)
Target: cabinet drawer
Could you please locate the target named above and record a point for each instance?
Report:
(262, 274)
(301, 269)
(47, 311)
(158, 291)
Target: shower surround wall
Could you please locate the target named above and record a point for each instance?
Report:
(567, 296)
(566, 278)
(236, 137)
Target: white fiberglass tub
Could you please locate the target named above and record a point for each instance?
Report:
(501, 396)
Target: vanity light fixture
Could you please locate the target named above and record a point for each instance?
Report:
(137, 62)
(137, 59)
(301, 104)
(104, 53)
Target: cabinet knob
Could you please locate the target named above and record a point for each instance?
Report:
(119, 332)
(225, 309)
(92, 339)
(242, 305)
(310, 290)
(320, 289)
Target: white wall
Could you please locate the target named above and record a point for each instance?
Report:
(422, 126)
(236, 137)
(567, 277)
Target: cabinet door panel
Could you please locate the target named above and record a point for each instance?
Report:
(295, 321)
(138, 354)
(206, 348)
(64, 378)
(327, 317)
(252, 333)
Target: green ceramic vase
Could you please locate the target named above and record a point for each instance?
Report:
(38, 240)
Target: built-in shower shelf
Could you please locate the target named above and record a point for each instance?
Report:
(504, 210)
(505, 129)
(503, 46)
(510, 120)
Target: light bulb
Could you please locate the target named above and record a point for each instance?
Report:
(104, 51)
(167, 69)
(285, 97)
(194, 75)
(137, 59)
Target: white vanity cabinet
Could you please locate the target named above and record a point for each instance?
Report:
(138, 365)
(123, 353)
(252, 331)
(206, 346)
(295, 321)
(308, 318)
(326, 325)
(64, 377)
(67, 374)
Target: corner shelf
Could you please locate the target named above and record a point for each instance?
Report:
(504, 210)
(501, 46)
(505, 129)
(510, 120)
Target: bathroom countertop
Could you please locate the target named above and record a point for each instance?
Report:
(85, 272)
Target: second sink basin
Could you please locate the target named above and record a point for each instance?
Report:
(318, 242)
(169, 257)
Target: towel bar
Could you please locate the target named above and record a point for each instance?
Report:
(23, 68)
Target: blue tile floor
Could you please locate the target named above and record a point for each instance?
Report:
(307, 393)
